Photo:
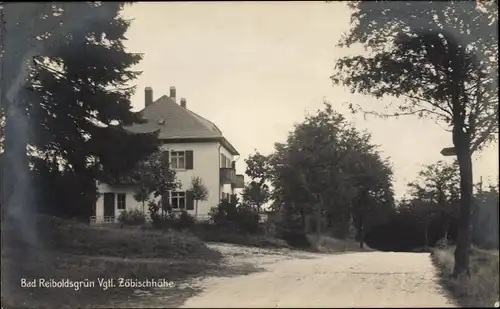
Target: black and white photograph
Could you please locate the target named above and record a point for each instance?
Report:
(249, 154)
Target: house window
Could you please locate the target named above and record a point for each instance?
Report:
(178, 159)
(121, 198)
(178, 200)
(222, 161)
(225, 162)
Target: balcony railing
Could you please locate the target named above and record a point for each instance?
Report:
(104, 220)
(240, 182)
(109, 220)
(227, 175)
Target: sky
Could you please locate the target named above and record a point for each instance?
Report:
(256, 68)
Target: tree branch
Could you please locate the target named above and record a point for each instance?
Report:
(448, 112)
(489, 130)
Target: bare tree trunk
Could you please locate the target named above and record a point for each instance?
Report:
(361, 232)
(196, 209)
(464, 221)
(303, 220)
(318, 219)
(426, 236)
(319, 206)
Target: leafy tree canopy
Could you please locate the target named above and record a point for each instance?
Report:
(329, 168)
(441, 59)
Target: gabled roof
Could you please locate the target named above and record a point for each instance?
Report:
(175, 122)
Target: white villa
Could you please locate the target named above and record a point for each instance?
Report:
(196, 147)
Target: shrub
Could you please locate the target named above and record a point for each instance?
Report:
(224, 214)
(132, 217)
(163, 221)
(293, 233)
(296, 238)
(156, 221)
(248, 219)
(442, 244)
(172, 220)
(160, 220)
(229, 214)
(153, 209)
(184, 221)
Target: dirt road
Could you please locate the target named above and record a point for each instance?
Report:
(368, 279)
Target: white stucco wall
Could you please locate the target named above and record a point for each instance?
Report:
(205, 166)
(206, 159)
(130, 202)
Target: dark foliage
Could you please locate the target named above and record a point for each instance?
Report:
(404, 233)
(76, 102)
(441, 59)
(234, 216)
(184, 221)
(132, 217)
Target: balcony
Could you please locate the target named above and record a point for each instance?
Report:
(227, 175)
(240, 182)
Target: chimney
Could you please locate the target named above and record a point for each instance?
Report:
(172, 93)
(183, 102)
(148, 93)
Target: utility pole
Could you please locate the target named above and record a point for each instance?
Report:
(2, 90)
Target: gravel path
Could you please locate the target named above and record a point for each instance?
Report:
(291, 279)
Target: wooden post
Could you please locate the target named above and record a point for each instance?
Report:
(480, 184)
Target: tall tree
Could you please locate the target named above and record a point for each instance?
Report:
(83, 97)
(435, 196)
(64, 77)
(256, 195)
(324, 168)
(441, 59)
(27, 30)
(142, 195)
(154, 180)
(438, 185)
(485, 218)
(199, 192)
(371, 176)
(257, 192)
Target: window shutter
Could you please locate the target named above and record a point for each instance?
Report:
(189, 159)
(233, 165)
(189, 200)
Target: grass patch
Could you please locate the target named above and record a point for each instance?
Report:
(212, 233)
(80, 239)
(482, 289)
(311, 243)
(76, 252)
(327, 244)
